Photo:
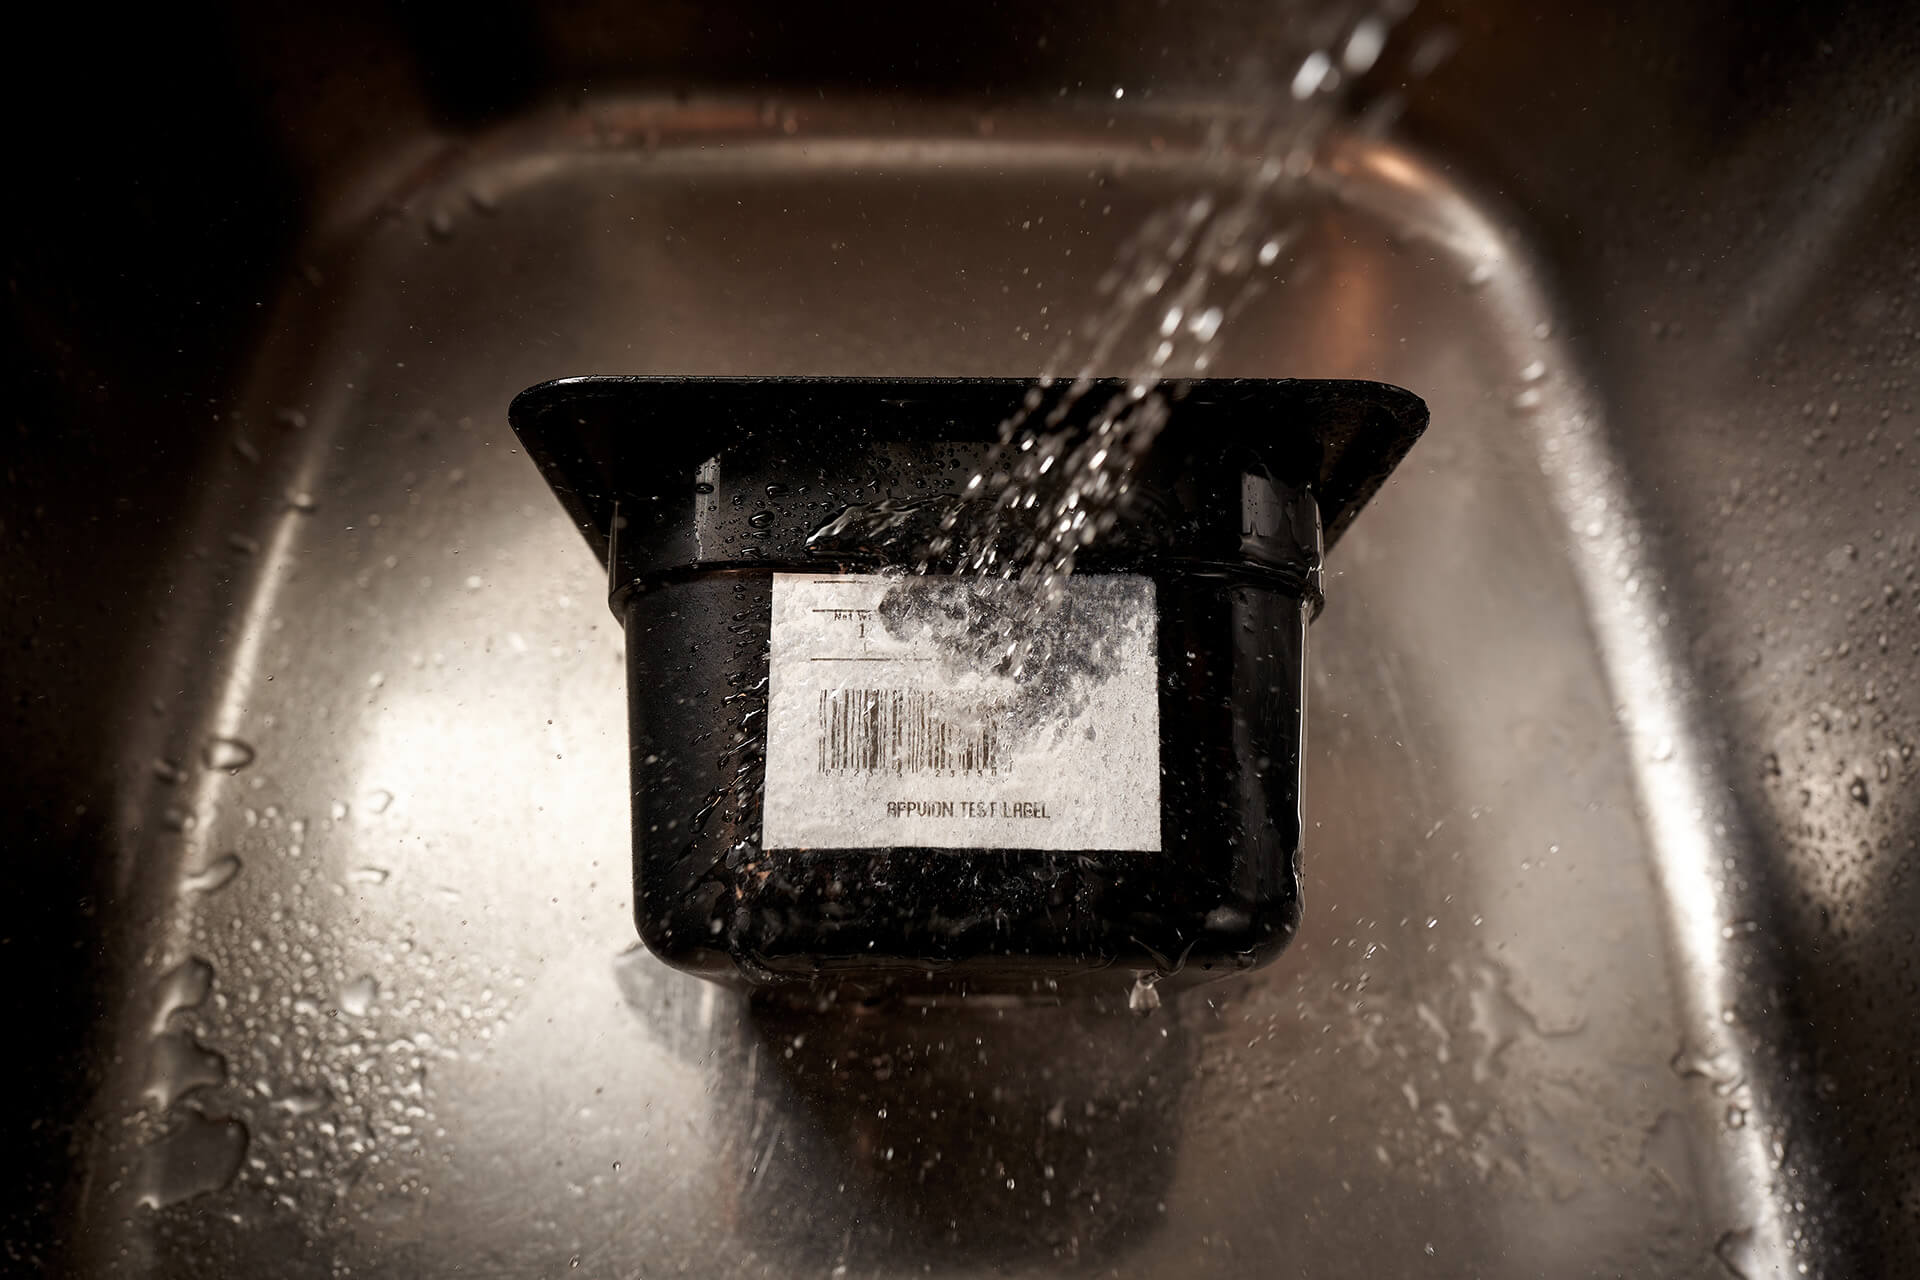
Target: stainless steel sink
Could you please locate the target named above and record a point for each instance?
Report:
(322, 957)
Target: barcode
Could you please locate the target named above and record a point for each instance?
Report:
(904, 731)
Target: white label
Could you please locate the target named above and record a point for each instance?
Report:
(894, 721)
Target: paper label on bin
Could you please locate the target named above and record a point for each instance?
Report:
(896, 717)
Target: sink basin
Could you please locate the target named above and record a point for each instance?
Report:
(324, 961)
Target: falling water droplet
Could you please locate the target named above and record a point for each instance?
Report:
(201, 1154)
(1313, 73)
(213, 877)
(1206, 323)
(1364, 45)
(230, 754)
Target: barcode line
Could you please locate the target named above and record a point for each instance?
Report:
(903, 731)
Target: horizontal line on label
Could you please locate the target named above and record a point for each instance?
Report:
(869, 659)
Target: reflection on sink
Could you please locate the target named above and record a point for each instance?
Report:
(1609, 767)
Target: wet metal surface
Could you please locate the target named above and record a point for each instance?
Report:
(1609, 762)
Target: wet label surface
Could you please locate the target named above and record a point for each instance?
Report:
(895, 717)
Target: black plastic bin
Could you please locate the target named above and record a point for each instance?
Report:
(922, 830)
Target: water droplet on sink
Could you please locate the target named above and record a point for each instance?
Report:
(379, 800)
(1739, 1255)
(230, 754)
(303, 1102)
(1716, 1069)
(1145, 995)
(760, 519)
(213, 877)
(1663, 750)
(1497, 1019)
(1534, 371)
(1857, 791)
(201, 1154)
(302, 501)
(337, 811)
(369, 875)
(184, 986)
(358, 996)
(169, 772)
(178, 1065)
